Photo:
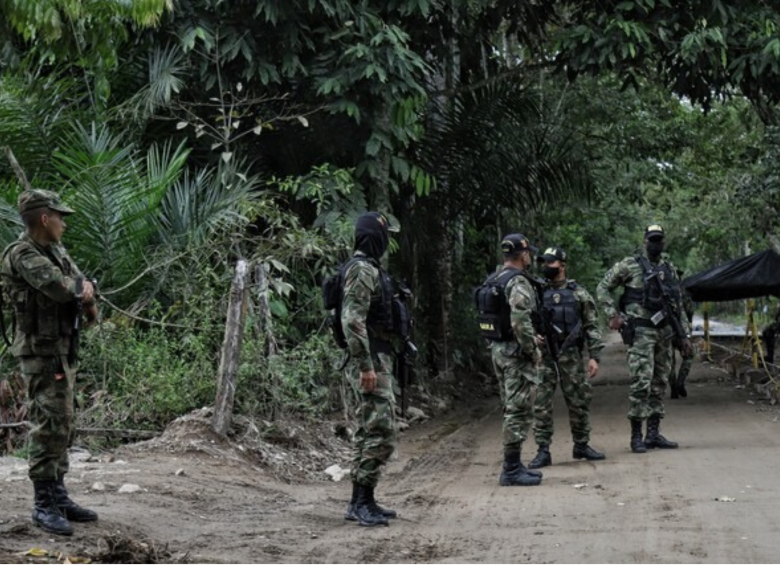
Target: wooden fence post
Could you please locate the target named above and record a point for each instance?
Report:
(231, 349)
(264, 310)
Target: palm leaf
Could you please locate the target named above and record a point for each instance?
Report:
(35, 111)
(117, 195)
(491, 149)
(204, 201)
(10, 222)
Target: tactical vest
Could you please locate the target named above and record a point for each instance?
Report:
(649, 296)
(44, 324)
(491, 301)
(564, 309)
(383, 313)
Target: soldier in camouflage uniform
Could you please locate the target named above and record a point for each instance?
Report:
(516, 362)
(41, 282)
(572, 313)
(646, 332)
(367, 321)
(677, 379)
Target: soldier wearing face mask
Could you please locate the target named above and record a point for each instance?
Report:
(572, 315)
(644, 324)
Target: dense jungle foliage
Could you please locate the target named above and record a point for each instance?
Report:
(190, 133)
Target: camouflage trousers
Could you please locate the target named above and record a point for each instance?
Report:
(517, 379)
(50, 396)
(649, 364)
(681, 375)
(577, 392)
(375, 438)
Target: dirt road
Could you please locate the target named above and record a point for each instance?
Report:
(655, 507)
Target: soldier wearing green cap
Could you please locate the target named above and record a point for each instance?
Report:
(44, 288)
(571, 312)
(646, 331)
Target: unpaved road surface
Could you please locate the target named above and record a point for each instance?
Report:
(656, 507)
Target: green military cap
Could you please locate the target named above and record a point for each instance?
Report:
(36, 198)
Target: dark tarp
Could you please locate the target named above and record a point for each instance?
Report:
(748, 277)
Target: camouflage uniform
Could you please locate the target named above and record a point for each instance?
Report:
(41, 285)
(576, 387)
(650, 356)
(513, 362)
(374, 441)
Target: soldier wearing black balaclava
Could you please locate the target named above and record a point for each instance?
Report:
(367, 321)
(647, 331)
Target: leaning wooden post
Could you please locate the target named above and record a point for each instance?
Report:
(231, 349)
(264, 310)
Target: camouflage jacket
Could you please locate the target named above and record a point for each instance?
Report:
(591, 332)
(40, 283)
(521, 297)
(361, 285)
(628, 273)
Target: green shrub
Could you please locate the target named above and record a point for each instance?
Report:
(145, 377)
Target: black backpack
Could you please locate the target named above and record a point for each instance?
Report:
(333, 296)
(492, 307)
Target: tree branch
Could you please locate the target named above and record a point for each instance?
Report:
(17, 168)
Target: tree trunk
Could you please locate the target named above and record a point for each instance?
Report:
(231, 349)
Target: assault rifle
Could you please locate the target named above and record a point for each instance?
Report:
(3, 330)
(404, 359)
(73, 350)
(543, 324)
(551, 334)
(669, 308)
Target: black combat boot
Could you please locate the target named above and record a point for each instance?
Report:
(70, 509)
(514, 473)
(352, 517)
(654, 439)
(45, 514)
(637, 445)
(367, 511)
(675, 391)
(584, 451)
(682, 391)
(542, 459)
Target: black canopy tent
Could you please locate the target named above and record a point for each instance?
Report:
(747, 277)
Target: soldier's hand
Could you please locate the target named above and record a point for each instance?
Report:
(593, 368)
(368, 381)
(687, 348)
(616, 322)
(91, 313)
(88, 292)
(539, 340)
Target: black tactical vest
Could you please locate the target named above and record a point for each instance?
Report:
(380, 312)
(564, 309)
(649, 296)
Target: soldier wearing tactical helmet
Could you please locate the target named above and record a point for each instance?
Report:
(43, 283)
